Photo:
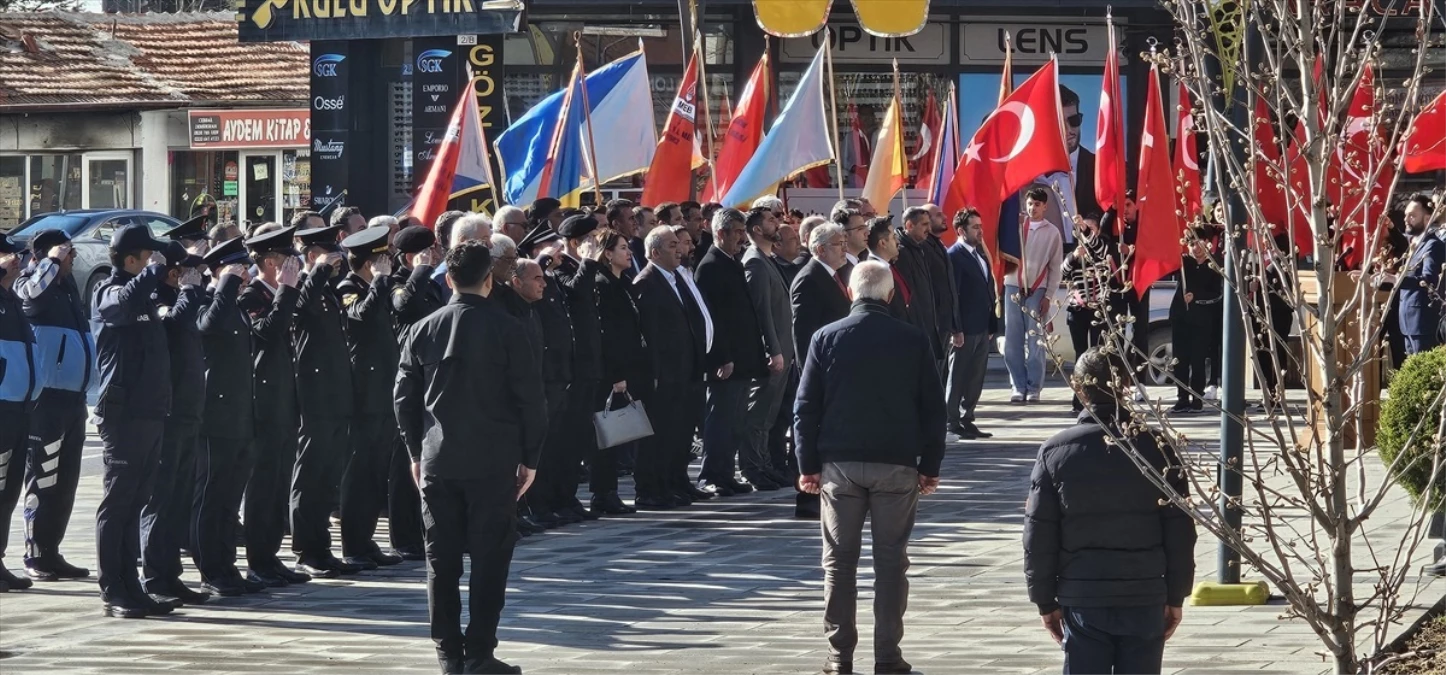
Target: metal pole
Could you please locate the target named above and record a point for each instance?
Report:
(1233, 342)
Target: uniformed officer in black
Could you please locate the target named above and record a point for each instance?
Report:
(192, 235)
(224, 462)
(576, 272)
(66, 351)
(415, 295)
(324, 396)
(269, 301)
(20, 383)
(550, 501)
(166, 518)
(474, 429)
(134, 400)
(366, 302)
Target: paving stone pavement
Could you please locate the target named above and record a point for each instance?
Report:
(732, 586)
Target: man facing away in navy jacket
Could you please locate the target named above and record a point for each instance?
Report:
(869, 434)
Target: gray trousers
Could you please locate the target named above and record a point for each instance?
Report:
(764, 398)
(967, 365)
(889, 495)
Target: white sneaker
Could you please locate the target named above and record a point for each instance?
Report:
(1140, 394)
(1212, 393)
(1016, 397)
(1032, 397)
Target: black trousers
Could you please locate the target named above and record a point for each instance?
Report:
(14, 432)
(579, 440)
(321, 456)
(605, 462)
(547, 486)
(478, 516)
(57, 437)
(223, 466)
(658, 472)
(1117, 640)
(722, 427)
(404, 501)
(364, 486)
(1085, 331)
(166, 518)
(1192, 339)
(266, 493)
(1273, 362)
(132, 448)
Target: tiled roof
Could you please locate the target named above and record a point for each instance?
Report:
(69, 60)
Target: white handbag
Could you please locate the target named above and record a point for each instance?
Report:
(624, 425)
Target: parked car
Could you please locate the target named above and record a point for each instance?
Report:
(90, 231)
(1160, 349)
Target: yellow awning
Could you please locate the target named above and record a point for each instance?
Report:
(884, 18)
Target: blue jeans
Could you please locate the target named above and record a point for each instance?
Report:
(1023, 333)
(1118, 640)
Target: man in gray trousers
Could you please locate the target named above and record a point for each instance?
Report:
(774, 307)
(869, 435)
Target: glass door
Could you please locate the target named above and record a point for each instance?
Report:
(260, 189)
(107, 180)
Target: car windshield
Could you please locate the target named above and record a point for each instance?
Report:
(70, 224)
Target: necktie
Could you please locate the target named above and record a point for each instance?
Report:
(690, 304)
(842, 287)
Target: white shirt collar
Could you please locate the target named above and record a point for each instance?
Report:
(853, 259)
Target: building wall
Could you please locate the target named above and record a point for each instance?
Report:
(54, 132)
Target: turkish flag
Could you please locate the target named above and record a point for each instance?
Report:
(745, 131)
(1269, 189)
(923, 156)
(1187, 159)
(1424, 148)
(670, 178)
(1157, 245)
(1020, 141)
(1110, 136)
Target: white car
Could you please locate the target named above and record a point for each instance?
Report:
(1159, 348)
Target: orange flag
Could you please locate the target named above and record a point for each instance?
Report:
(1187, 159)
(889, 167)
(745, 131)
(1157, 245)
(670, 178)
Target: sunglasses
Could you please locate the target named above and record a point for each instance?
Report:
(1075, 119)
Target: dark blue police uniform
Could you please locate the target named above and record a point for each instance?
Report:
(135, 397)
(19, 385)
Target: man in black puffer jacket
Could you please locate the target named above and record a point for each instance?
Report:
(1107, 563)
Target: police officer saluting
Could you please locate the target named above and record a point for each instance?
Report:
(166, 518)
(135, 397)
(415, 295)
(19, 385)
(66, 352)
(269, 301)
(324, 394)
(372, 341)
(224, 462)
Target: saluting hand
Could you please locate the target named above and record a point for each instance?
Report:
(157, 258)
(236, 270)
(425, 257)
(381, 266)
(59, 251)
(191, 276)
(290, 271)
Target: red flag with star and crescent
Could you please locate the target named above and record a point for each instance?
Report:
(1020, 141)
(1110, 135)
(1187, 159)
(1424, 147)
(1157, 245)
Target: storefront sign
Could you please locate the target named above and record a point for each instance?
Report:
(852, 45)
(301, 20)
(1075, 44)
(236, 129)
(438, 76)
(484, 59)
(331, 65)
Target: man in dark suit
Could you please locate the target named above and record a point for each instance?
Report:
(672, 322)
(576, 273)
(913, 266)
(969, 353)
(1420, 279)
(941, 280)
(737, 356)
(819, 294)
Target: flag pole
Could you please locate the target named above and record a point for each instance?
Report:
(587, 118)
(702, 85)
(833, 101)
(899, 106)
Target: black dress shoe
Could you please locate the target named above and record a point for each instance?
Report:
(325, 568)
(383, 559)
(977, 433)
(410, 554)
(451, 665)
(737, 487)
(691, 490)
(716, 489)
(526, 528)
(838, 667)
(168, 601)
(116, 610)
(679, 499)
(581, 511)
(267, 579)
(226, 587)
(651, 503)
(287, 574)
(546, 519)
(360, 563)
(763, 483)
(566, 517)
(612, 505)
(895, 668)
(53, 569)
(4, 587)
(1435, 569)
(180, 592)
(490, 666)
(13, 582)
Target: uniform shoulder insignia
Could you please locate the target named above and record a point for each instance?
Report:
(163, 311)
(399, 292)
(348, 299)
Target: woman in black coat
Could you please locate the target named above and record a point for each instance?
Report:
(626, 371)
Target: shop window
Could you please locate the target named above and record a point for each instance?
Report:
(200, 184)
(109, 183)
(12, 192)
(295, 183)
(55, 183)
